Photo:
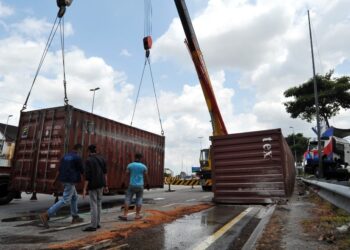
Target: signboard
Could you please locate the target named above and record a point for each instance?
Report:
(195, 169)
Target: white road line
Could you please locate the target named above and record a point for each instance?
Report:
(212, 238)
(191, 200)
(64, 228)
(204, 197)
(158, 199)
(171, 204)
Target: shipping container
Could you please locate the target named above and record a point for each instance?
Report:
(45, 135)
(252, 168)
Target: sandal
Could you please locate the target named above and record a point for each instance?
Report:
(122, 217)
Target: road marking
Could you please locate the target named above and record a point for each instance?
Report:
(158, 199)
(191, 200)
(171, 204)
(212, 238)
(204, 197)
(64, 228)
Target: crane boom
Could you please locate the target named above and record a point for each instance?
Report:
(217, 122)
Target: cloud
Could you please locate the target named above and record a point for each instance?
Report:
(125, 53)
(258, 45)
(37, 29)
(5, 11)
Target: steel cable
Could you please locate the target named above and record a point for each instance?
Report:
(138, 91)
(47, 46)
(63, 62)
(155, 95)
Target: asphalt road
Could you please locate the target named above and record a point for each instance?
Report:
(216, 228)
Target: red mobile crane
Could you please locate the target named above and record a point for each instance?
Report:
(217, 122)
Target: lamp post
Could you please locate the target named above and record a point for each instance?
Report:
(295, 153)
(3, 142)
(200, 141)
(93, 99)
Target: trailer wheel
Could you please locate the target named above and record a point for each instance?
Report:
(5, 195)
(206, 188)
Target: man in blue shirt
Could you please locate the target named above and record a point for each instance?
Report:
(69, 173)
(138, 179)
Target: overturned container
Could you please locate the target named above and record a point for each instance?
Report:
(45, 135)
(252, 168)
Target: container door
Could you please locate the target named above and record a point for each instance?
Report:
(41, 145)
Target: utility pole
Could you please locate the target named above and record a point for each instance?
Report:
(93, 99)
(295, 152)
(319, 145)
(200, 141)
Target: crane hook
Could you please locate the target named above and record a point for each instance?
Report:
(147, 44)
(62, 4)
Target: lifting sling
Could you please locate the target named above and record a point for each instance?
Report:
(59, 22)
(147, 44)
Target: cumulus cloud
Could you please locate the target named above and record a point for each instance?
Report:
(258, 45)
(5, 10)
(265, 43)
(125, 53)
(36, 28)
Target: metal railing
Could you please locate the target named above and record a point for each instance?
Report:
(338, 195)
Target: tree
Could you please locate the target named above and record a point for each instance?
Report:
(333, 94)
(300, 146)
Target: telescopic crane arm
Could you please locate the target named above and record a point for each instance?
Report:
(217, 122)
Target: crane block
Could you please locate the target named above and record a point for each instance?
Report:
(62, 4)
(147, 42)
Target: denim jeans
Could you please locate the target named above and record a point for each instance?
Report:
(138, 191)
(70, 196)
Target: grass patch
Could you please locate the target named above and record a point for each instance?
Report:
(327, 218)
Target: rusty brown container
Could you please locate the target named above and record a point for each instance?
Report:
(252, 168)
(45, 135)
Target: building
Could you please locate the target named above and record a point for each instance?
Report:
(7, 143)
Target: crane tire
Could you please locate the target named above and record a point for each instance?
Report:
(5, 195)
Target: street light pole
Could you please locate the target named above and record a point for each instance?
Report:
(93, 99)
(295, 152)
(2, 146)
(200, 141)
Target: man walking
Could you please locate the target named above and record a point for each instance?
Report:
(69, 174)
(95, 182)
(138, 173)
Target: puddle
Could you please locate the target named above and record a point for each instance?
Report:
(184, 233)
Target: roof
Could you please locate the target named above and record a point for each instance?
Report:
(11, 131)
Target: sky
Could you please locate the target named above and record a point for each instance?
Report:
(254, 51)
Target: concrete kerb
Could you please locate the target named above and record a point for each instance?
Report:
(265, 216)
(105, 244)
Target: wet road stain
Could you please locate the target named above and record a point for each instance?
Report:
(65, 211)
(24, 239)
(184, 233)
(125, 230)
(20, 218)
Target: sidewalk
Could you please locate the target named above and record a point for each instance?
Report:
(305, 222)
